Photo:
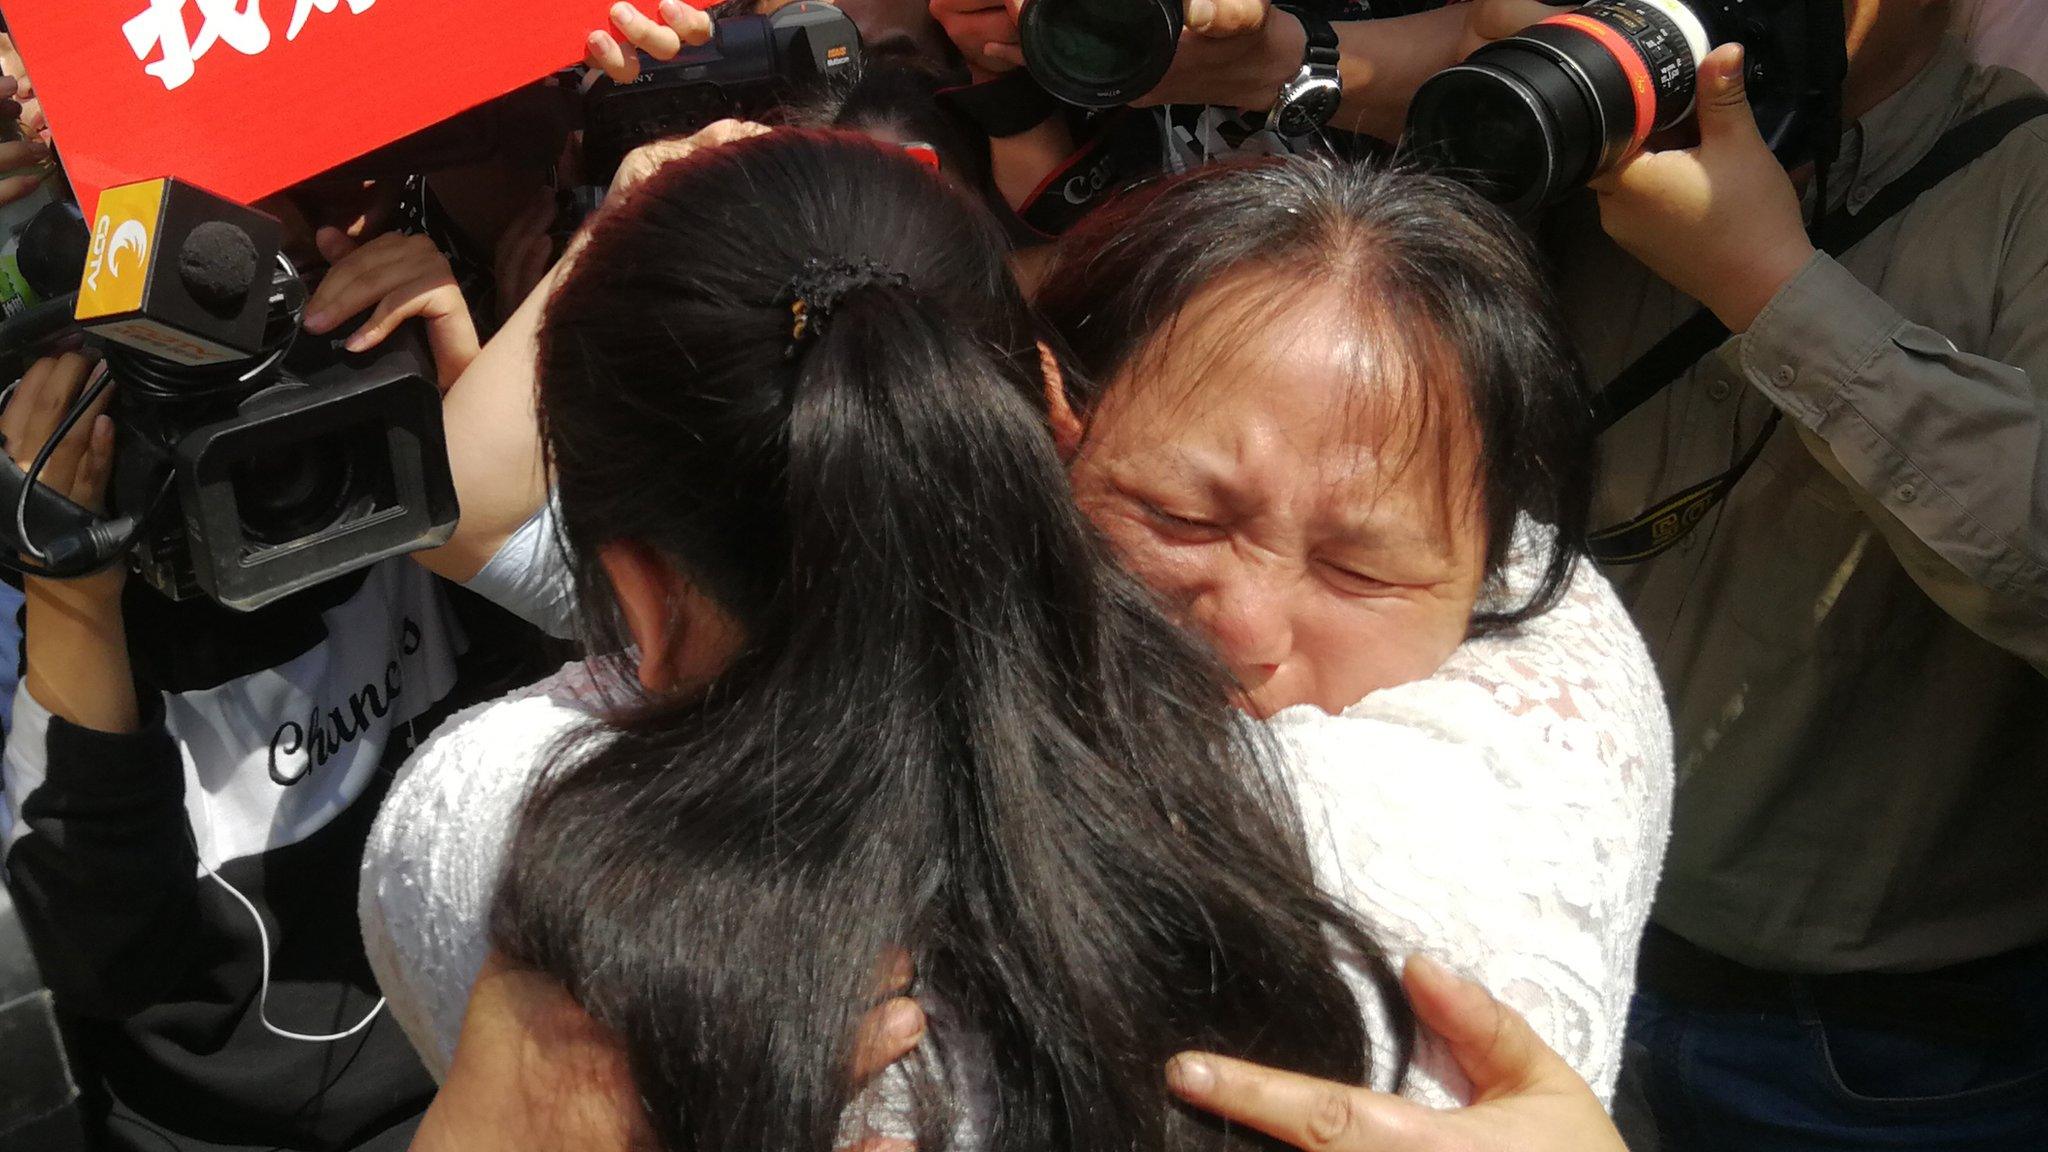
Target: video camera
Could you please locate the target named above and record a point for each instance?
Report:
(751, 64)
(1533, 116)
(251, 461)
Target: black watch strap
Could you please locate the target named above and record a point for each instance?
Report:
(1009, 105)
(1321, 51)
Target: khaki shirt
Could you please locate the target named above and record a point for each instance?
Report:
(1853, 644)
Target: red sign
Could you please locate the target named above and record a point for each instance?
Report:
(244, 97)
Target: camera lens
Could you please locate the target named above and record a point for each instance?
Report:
(295, 492)
(1537, 114)
(1099, 53)
(1493, 128)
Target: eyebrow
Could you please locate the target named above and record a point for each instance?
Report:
(1172, 463)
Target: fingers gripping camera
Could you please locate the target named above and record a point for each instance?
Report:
(1533, 116)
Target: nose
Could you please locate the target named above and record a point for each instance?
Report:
(1246, 619)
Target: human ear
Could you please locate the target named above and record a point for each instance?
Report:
(1066, 427)
(647, 587)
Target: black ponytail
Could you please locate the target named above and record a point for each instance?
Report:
(956, 729)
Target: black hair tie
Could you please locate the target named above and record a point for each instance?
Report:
(820, 285)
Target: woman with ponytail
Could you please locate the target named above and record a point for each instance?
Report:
(878, 703)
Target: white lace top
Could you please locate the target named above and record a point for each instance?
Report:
(1507, 816)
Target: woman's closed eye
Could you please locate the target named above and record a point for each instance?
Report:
(1351, 581)
(1186, 526)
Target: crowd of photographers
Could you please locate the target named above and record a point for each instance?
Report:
(1809, 274)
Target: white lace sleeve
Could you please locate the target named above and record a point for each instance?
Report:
(1508, 817)
(431, 866)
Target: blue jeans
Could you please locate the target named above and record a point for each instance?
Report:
(1799, 1081)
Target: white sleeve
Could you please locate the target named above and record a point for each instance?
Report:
(25, 763)
(1507, 816)
(529, 575)
(432, 862)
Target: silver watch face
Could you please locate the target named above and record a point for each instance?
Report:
(1306, 103)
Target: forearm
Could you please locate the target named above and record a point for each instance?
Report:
(492, 418)
(1383, 63)
(1946, 451)
(76, 651)
(101, 866)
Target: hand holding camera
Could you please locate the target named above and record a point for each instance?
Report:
(984, 32)
(1099, 53)
(1239, 58)
(680, 25)
(401, 276)
(77, 647)
(1719, 221)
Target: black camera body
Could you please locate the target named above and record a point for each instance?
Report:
(751, 64)
(252, 460)
(1532, 116)
(250, 492)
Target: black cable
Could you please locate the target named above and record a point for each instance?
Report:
(79, 407)
(152, 380)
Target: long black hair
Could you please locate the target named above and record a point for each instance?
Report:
(956, 728)
(1426, 267)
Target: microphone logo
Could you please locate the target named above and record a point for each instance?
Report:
(130, 236)
(117, 271)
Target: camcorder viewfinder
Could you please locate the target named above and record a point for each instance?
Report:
(1529, 118)
(252, 460)
(750, 65)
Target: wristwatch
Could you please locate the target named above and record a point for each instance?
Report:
(1308, 100)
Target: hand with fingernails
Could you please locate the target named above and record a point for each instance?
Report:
(25, 161)
(679, 25)
(1720, 221)
(75, 644)
(1525, 1097)
(400, 277)
(530, 1059)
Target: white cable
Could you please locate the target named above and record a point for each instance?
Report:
(263, 991)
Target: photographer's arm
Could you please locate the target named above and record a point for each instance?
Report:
(101, 861)
(74, 645)
(489, 405)
(1945, 451)
(494, 449)
(491, 411)
(1383, 61)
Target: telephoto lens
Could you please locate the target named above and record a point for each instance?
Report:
(1099, 53)
(1531, 117)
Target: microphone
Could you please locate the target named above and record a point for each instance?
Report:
(49, 256)
(51, 251)
(179, 273)
(217, 265)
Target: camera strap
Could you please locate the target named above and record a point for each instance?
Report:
(1667, 521)
(1007, 105)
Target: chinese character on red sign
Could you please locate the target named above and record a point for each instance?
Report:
(160, 28)
(244, 97)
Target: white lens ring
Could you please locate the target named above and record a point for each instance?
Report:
(1696, 41)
